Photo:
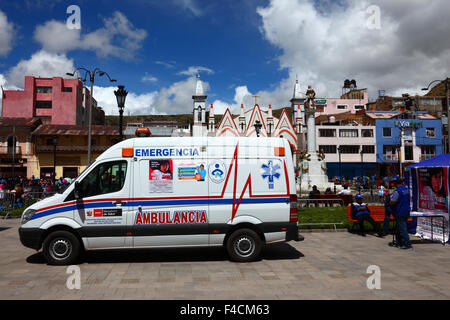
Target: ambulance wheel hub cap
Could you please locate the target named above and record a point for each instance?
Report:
(244, 246)
(60, 249)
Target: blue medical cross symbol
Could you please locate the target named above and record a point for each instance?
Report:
(270, 172)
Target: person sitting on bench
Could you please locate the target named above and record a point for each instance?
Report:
(361, 212)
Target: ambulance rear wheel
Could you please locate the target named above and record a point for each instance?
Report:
(244, 245)
(61, 248)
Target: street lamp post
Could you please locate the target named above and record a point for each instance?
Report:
(121, 95)
(55, 142)
(400, 153)
(92, 74)
(258, 127)
(362, 164)
(447, 98)
(340, 164)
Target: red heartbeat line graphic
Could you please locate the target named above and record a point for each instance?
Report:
(248, 184)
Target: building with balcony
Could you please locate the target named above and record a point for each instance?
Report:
(348, 142)
(405, 138)
(352, 100)
(69, 155)
(17, 146)
(53, 100)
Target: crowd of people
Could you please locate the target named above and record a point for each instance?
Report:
(23, 188)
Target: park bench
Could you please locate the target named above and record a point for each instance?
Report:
(330, 199)
(376, 212)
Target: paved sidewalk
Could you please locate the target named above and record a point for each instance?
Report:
(324, 266)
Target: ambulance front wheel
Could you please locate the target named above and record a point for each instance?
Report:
(244, 245)
(61, 248)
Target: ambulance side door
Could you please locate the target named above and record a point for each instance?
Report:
(102, 209)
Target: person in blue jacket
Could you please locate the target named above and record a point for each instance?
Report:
(400, 204)
(361, 212)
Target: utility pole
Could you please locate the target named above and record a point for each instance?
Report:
(447, 97)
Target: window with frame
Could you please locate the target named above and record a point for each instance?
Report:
(105, 178)
(367, 133)
(328, 148)
(67, 89)
(428, 150)
(431, 133)
(43, 104)
(342, 107)
(387, 132)
(42, 89)
(390, 152)
(348, 133)
(359, 107)
(368, 149)
(327, 132)
(350, 149)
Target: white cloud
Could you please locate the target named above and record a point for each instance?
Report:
(7, 33)
(191, 6)
(177, 98)
(241, 95)
(54, 36)
(135, 104)
(168, 65)
(193, 70)
(149, 78)
(41, 64)
(325, 45)
(118, 38)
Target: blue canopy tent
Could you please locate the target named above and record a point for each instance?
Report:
(428, 194)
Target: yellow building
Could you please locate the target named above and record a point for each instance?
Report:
(17, 147)
(69, 154)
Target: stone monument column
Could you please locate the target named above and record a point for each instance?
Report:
(313, 168)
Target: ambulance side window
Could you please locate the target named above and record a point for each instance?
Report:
(105, 178)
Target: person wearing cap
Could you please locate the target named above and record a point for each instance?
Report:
(400, 205)
(362, 213)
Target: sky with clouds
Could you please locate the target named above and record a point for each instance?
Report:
(241, 48)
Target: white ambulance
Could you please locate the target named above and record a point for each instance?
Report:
(172, 192)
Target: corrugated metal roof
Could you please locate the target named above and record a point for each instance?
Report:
(19, 122)
(73, 130)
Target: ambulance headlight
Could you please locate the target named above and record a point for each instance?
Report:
(27, 215)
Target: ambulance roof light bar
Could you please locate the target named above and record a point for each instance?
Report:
(143, 132)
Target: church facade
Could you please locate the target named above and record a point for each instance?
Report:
(290, 127)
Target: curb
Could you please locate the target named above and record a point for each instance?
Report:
(9, 217)
(321, 230)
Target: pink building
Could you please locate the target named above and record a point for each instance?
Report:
(353, 101)
(53, 100)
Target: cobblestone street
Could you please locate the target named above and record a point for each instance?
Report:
(329, 265)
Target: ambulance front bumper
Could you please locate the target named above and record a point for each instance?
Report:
(31, 237)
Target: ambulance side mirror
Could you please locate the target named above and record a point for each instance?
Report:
(77, 191)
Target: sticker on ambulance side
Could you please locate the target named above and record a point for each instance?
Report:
(160, 176)
(217, 171)
(269, 172)
(191, 172)
(104, 216)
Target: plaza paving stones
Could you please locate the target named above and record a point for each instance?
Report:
(330, 265)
